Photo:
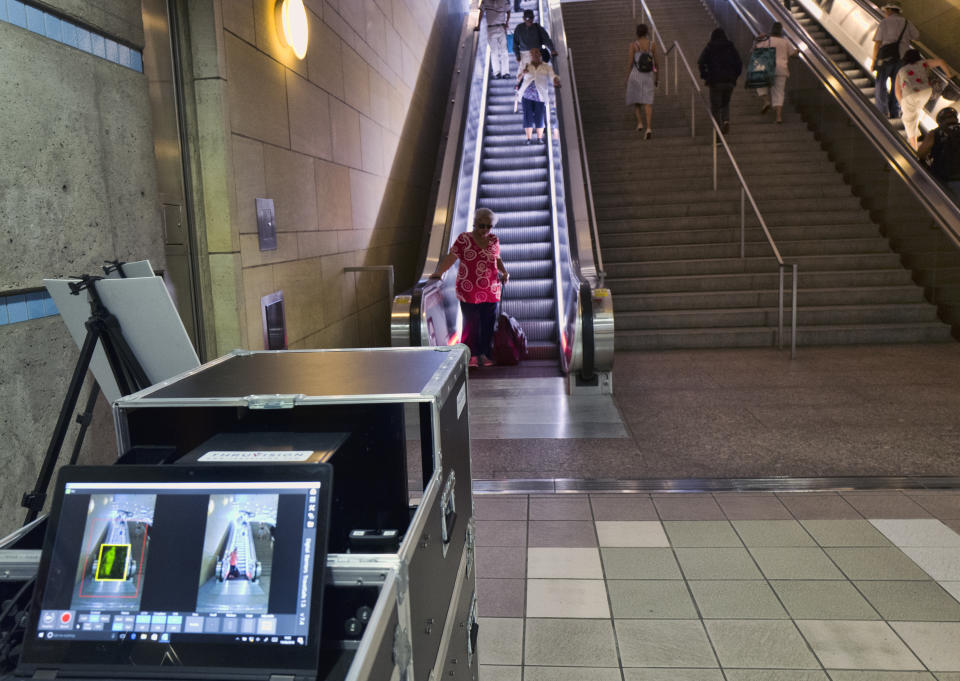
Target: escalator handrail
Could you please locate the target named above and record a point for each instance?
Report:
(441, 223)
(447, 188)
(573, 270)
(585, 164)
(866, 116)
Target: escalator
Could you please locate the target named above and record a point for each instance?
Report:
(515, 183)
(546, 227)
(854, 23)
(857, 73)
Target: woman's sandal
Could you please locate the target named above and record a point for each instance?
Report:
(648, 135)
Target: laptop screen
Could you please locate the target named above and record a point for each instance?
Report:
(191, 566)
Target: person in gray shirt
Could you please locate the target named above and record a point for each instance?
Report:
(890, 42)
(527, 36)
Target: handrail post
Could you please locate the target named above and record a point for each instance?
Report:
(743, 221)
(715, 140)
(676, 70)
(780, 313)
(634, 9)
(693, 113)
(793, 312)
(666, 70)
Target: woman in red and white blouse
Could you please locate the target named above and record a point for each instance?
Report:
(913, 89)
(478, 283)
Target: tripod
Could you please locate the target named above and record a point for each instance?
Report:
(102, 327)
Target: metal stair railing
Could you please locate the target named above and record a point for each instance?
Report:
(745, 193)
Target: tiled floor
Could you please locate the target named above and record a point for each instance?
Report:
(726, 586)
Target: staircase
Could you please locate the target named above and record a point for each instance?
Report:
(514, 183)
(671, 244)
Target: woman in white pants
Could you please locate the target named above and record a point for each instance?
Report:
(913, 90)
(774, 95)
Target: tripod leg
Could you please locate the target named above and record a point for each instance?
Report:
(126, 367)
(33, 501)
(84, 420)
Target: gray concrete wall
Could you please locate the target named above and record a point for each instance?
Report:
(77, 187)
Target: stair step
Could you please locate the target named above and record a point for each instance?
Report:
(788, 249)
(766, 337)
(765, 298)
(660, 268)
(671, 242)
(731, 235)
(758, 280)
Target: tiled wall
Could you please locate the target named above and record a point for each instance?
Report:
(69, 33)
(25, 307)
(344, 142)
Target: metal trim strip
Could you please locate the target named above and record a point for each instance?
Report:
(450, 622)
(689, 485)
(366, 654)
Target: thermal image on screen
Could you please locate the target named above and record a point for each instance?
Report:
(116, 542)
(113, 563)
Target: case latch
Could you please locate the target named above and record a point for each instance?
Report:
(448, 511)
(273, 401)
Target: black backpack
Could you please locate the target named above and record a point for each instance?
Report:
(945, 154)
(644, 62)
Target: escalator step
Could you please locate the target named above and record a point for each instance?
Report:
(533, 308)
(529, 218)
(527, 288)
(529, 269)
(524, 235)
(518, 203)
(524, 252)
(512, 176)
(511, 163)
(516, 150)
(506, 188)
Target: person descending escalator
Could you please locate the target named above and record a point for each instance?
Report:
(478, 283)
(890, 42)
(529, 35)
(942, 148)
(532, 83)
(497, 14)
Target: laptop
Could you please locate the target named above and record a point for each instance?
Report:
(181, 572)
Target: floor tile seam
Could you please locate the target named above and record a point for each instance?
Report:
(783, 605)
(693, 600)
(903, 641)
(834, 493)
(939, 582)
(606, 590)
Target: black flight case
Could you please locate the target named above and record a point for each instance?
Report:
(400, 601)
